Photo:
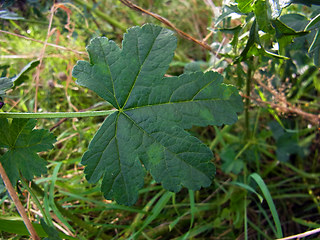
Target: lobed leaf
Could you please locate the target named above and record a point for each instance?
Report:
(147, 132)
(23, 143)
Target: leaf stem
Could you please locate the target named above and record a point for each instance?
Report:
(247, 103)
(18, 204)
(55, 114)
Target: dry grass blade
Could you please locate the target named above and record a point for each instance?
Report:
(301, 235)
(37, 76)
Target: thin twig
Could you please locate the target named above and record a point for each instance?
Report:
(37, 77)
(171, 25)
(18, 204)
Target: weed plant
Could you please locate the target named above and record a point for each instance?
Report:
(267, 181)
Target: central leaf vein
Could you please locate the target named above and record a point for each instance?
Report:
(111, 77)
(136, 77)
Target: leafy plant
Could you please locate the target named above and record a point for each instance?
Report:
(265, 171)
(146, 131)
(23, 143)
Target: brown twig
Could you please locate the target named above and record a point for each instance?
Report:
(18, 204)
(37, 76)
(171, 25)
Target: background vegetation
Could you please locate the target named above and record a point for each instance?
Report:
(270, 156)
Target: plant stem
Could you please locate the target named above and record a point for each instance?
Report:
(56, 114)
(18, 204)
(247, 103)
(36, 201)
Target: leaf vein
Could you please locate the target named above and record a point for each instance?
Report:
(137, 75)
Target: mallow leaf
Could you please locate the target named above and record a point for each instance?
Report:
(147, 130)
(23, 143)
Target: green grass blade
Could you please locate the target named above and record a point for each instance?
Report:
(255, 227)
(155, 212)
(51, 197)
(265, 215)
(266, 193)
(196, 231)
(111, 206)
(192, 207)
(247, 187)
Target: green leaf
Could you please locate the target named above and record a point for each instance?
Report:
(313, 23)
(53, 234)
(147, 131)
(314, 49)
(285, 35)
(308, 2)
(21, 77)
(229, 161)
(264, 189)
(295, 21)
(245, 6)
(262, 11)
(227, 12)
(195, 66)
(5, 84)
(23, 143)
(5, 14)
(286, 142)
(2, 188)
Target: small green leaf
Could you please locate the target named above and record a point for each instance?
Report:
(313, 22)
(285, 35)
(227, 11)
(307, 3)
(23, 143)
(245, 6)
(262, 11)
(286, 142)
(147, 131)
(230, 162)
(5, 84)
(20, 78)
(5, 14)
(53, 234)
